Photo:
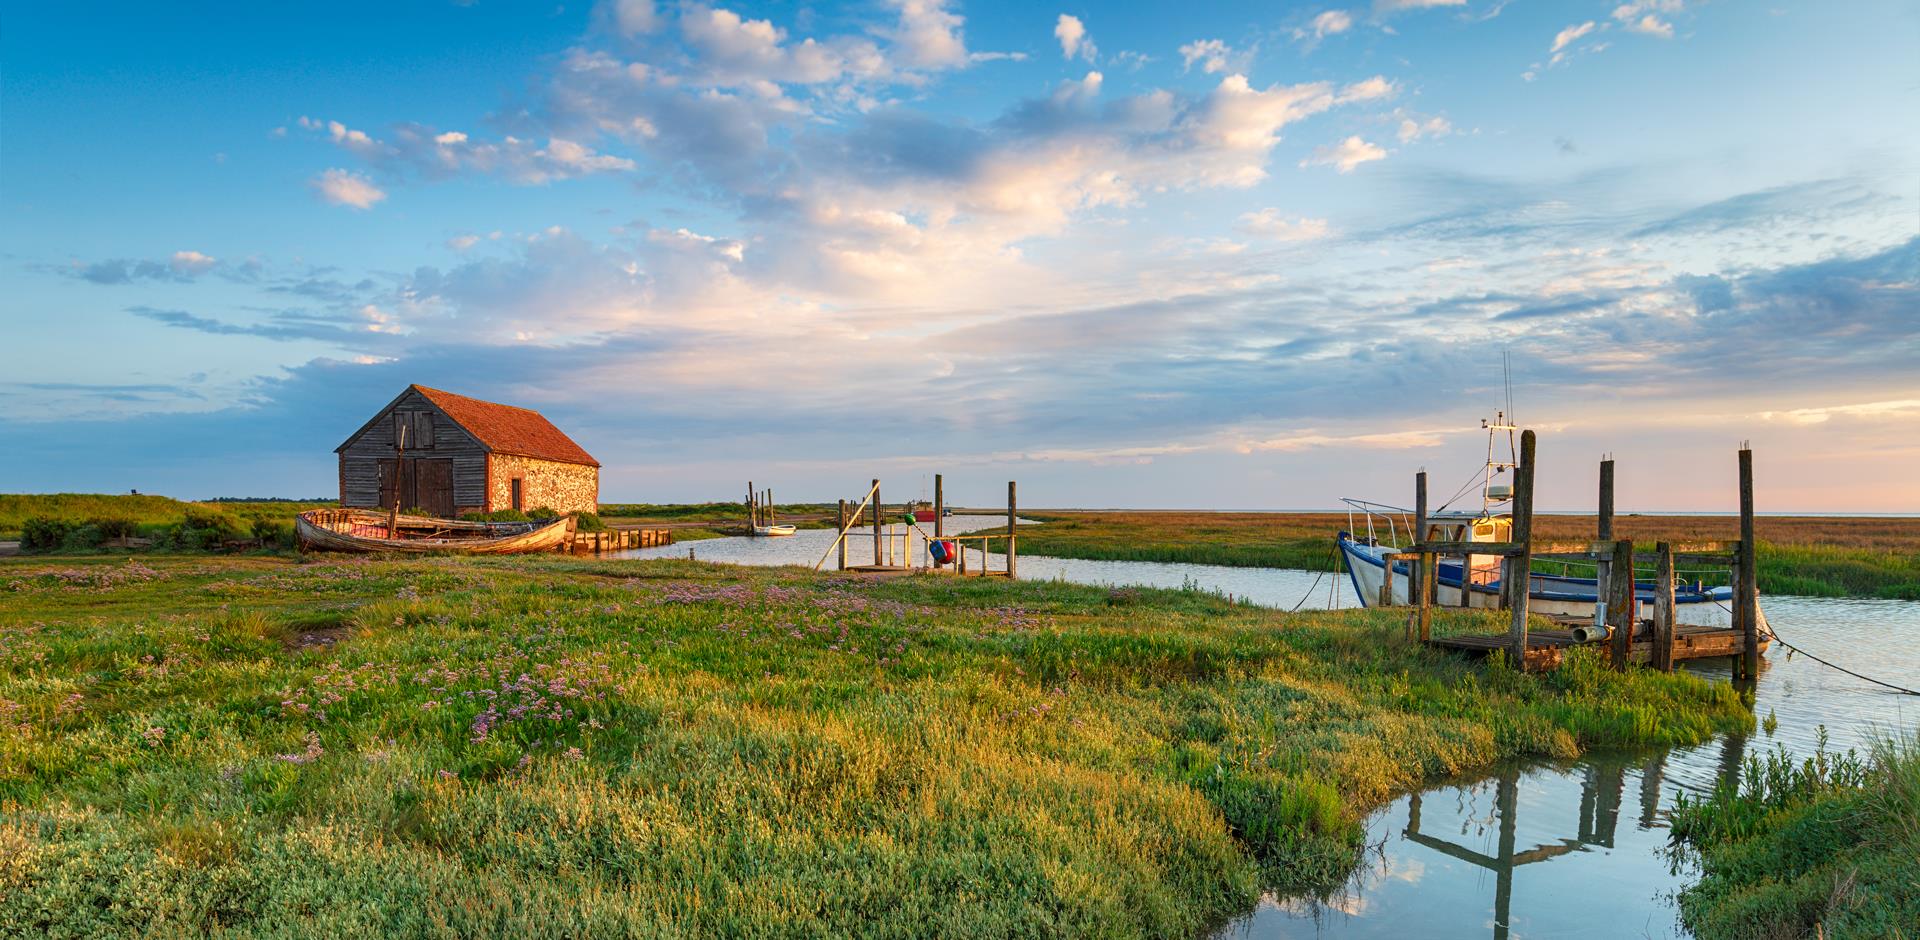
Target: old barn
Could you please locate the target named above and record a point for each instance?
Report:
(458, 455)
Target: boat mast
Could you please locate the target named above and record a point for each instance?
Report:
(1489, 496)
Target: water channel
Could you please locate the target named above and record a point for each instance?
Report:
(1536, 849)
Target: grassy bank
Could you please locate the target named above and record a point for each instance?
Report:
(558, 747)
(144, 512)
(1819, 556)
(1825, 847)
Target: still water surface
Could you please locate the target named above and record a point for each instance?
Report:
(1535, 849)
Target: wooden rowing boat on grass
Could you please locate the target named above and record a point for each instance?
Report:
(361, 530)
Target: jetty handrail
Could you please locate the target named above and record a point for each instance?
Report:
(853, 520)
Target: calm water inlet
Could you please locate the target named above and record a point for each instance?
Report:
(1534, 849)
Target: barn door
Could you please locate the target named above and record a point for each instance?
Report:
(433, 485)
(390, 480)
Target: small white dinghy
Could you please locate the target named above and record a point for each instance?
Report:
(782, 529)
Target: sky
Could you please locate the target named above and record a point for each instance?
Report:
(1221, 255)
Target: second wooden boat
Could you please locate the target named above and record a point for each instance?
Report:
(363, 530)
(780, 529)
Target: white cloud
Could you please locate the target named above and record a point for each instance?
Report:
(191, 262)
(1372, 88)
(343, 188)
(463, 242)
(929, 37)
(1345, 155)
(1268, 223)
(1388, 7)
(1641, 16)
(1414, 127)
(1327, 23)
(1565, 38)
(634, 17)
(1073, 38)
(1213, 55)
(431, 153)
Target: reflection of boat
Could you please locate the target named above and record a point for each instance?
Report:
(780, 529)
(357, 530)
(1479, 576)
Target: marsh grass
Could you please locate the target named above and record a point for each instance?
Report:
(1825, 845)
(557, 747)
(1817, 556)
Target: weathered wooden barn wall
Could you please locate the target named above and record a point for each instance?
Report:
(566, 487)
(360, 460)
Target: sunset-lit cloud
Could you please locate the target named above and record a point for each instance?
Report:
(1234, 260)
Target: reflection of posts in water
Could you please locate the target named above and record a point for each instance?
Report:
(1733, 750)
(1600, 795)
(1652, 777)
(1600, 803)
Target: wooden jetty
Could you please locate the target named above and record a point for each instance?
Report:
(908, 547)
(1657, 641)
(618, 539)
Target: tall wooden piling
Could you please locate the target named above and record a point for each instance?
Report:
(1013, 548)
(1423, 573)
(877, 537)
(1605, 533)
(939, 507)
(1519, 570)
(1616, 577)
(1417, 578)
(841, 542)
(1746, 597)
(1663, 608)
(1617, 595)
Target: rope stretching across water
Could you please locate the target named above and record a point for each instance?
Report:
(1782, 641)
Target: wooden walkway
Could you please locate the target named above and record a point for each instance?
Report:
(1545, 647)
(620, 538)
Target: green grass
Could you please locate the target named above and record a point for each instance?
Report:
(1825, 846)
(557, 747)
(147, 512)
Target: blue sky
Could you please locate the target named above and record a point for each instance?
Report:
(1213, 255)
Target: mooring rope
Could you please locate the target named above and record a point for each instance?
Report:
(1903, 690)
(1776, 638)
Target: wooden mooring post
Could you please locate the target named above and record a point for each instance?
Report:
(1518, 576)
(1746, 583)
(840, 544)
(1616, 583)
(1425, 577)
(877, 537)
(1614, 591)
(1013, 547)
(1662, 656)
(939, 507)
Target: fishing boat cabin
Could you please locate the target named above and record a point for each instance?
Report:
(449, 454)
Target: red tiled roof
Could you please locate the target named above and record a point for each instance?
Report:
(505, 429)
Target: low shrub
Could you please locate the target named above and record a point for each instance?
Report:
(82, 537)
(43, 533)
(116, 527)
(205, 527)
(587, 522)
(273, 533)
(543, 513)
